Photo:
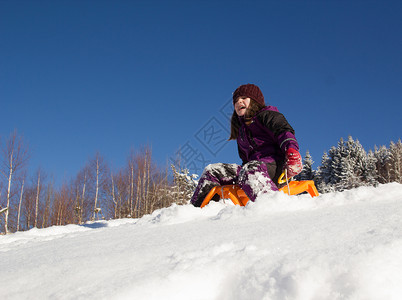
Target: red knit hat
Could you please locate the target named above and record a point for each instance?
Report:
(251, 91)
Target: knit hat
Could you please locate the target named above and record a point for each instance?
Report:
(251, 91)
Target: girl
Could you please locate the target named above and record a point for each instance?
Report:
(266, 144)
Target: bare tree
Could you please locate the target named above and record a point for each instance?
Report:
(63, 207)
(114, 200)
(20, 203)
(38, 190)
(151, 184)
(14, 156)
(118, 190)
(131, 167)
(28, 205)
(80, 188)
(99, 175)
(143, 165)
(47, 205)
(124, 194)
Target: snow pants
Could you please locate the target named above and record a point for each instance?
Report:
(253, 177)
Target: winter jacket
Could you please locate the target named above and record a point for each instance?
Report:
(267, 137)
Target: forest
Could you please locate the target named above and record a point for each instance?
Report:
(140, 187)
(347, 165)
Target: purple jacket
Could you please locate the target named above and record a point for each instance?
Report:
(267, 138)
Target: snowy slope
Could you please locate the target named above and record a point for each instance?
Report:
(337, 246)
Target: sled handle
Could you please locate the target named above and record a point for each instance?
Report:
(281, 178)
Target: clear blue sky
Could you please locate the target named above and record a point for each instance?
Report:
(77, 77)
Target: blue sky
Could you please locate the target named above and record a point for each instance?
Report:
(77, 77)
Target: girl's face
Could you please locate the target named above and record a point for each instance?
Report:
(241, 105)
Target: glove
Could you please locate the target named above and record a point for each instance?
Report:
(293, 163)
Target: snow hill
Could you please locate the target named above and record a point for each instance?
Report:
(337, 246)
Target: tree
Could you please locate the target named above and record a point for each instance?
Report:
(49, 196)
(141, 170)
(122, 186)
(353, 163)
(63, 206)
(113, 194)
(98, 173)
(383, 163)
(130, 197)
(369, 171)
(396, 162)
(14, 157)
(39, 186)
(79, 186)
(307, 172)
(345, 167)
(20, 203)
(184, 185)
(324, 174)
(28, 205)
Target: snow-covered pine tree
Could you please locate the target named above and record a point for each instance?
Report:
(396, 154)
(358, 163)
(307, 173)
(335, 164)
(383, 164)
(357, 170)
(345, 167)
(370, 172)
(184, 185)
(324, 173)
(327, 178)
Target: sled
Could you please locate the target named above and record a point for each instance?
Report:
(239, 197)
(232, 192)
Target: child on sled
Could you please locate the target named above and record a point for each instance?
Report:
(266, 143)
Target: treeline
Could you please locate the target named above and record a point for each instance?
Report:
(96, 192)
(140, 187)
(348, 166)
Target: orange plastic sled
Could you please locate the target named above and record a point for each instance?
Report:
(239, 197)
(232, 192)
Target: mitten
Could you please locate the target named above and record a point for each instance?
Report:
(293, 162)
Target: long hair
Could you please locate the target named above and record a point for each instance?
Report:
(251, 111)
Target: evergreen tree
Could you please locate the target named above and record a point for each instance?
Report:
(344, 176)
(324, 173)
(184, 185)
(396, 161)
(359, 167)
(356, 161)
(337, 165)
(346, 166)
(383, 165)
(370, 172)
(307, 173)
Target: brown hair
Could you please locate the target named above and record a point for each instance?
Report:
(251, 111)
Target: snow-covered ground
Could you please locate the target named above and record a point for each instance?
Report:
(337, 246)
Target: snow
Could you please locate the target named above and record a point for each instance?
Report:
(344, 245)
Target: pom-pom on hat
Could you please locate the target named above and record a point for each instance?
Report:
(249, 90)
